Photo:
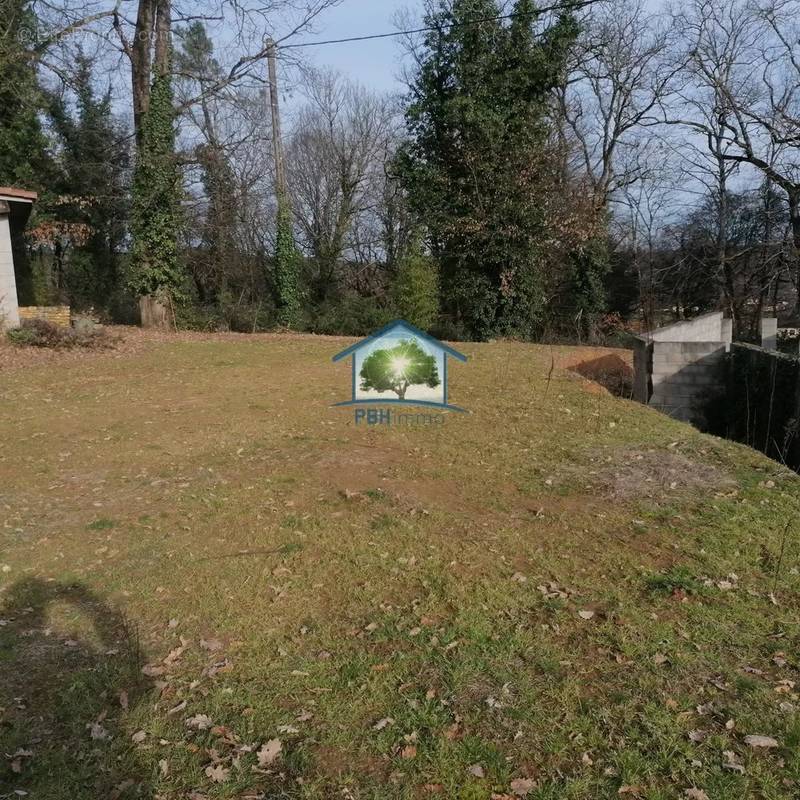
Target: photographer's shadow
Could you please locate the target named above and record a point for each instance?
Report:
(70, 673)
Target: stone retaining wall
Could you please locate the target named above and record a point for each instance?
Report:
(58, 315)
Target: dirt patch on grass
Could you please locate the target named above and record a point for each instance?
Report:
(656, 475)
(570, 357)
(427, 495)
(334, 762)
(611, 372)
(357, 472)
(354, 468)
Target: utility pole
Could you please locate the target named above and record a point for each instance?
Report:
(277, 145)
(287, 260)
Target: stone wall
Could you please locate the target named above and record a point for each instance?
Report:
(58, 315)
(686, 376)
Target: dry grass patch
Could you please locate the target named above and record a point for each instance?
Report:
(657, 475)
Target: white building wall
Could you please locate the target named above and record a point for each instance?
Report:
(9, 312)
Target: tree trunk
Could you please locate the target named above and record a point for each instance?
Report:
(794, 216)
(163, 33)
(724, 266)
(141, 60)
(154, 313)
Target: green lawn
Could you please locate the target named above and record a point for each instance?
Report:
(214, 585)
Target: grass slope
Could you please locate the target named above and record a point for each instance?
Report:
(214, 585)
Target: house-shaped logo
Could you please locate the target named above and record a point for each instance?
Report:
(400, 364)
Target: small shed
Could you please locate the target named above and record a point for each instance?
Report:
(15, 208)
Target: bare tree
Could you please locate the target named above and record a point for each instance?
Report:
(336, 159)
(740, 91)
(615, 81)
(639, 227)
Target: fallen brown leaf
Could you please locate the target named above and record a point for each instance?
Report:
(200, 722)
(761, 741)
(409, 751)
(217, 773)
(521, 787)
(269, 752)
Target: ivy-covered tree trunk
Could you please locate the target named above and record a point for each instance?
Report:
(155, 275)
(287, 267)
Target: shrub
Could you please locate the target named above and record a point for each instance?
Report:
(246, 317)
(350, 316)
(447, 329)
(38, 333)
(41, 333)
(416, 291)
(226, 316)
(190, 317)
(788, 339)
(22, 336)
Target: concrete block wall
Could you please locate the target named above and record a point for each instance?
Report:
(58, 315)
(680, 367)
(769, 333)
(9, 313)
(685, 375)
(706, 328)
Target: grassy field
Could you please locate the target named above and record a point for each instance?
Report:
(214, 585)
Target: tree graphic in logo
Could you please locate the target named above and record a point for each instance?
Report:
(396, 369)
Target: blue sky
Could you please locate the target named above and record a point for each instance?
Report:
(374, 64)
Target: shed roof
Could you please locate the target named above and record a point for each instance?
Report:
(14, 195)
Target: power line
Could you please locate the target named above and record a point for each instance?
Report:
(432, 29)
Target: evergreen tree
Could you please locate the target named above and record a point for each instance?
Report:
(477, 124)
(24, 159)
(588, 266)
(94, 162)
(416, 288)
